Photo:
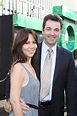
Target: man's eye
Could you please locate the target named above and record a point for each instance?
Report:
(57, 30)
(48, 29)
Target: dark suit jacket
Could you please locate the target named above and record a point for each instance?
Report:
(64, 78)
(76, 83)
(76, 73)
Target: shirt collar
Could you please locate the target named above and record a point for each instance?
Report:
(45, 48)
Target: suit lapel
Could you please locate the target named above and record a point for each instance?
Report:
(39, 62)
(58, 63)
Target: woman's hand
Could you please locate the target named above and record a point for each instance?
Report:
(8, 107)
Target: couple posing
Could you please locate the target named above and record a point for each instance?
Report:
(26, 70)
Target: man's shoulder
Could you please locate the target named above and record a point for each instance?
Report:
(40, 43)
(64, 50)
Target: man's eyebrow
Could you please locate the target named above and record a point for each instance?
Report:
(48, 27)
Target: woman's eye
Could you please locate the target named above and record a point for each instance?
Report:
(34, 42)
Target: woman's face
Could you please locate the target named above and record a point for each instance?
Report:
(29, 48)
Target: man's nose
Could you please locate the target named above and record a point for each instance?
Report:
(52, 32)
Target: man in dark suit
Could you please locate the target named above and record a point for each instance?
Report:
(62, 73)
(75, 60)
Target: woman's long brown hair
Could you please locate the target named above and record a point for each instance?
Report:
(17, 53)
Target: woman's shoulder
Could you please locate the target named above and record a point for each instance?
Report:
(17, 67)
(18, 71)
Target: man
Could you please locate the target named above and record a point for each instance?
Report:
(63, 75)
(62, 71)
(75, 60)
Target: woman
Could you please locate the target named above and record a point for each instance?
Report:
(24, 83)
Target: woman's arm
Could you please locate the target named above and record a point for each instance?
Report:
(17, 77)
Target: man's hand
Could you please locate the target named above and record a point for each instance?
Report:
(23, 105)
(8, 107)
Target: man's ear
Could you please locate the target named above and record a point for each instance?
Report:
(42, 31)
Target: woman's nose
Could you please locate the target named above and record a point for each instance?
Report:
(31, 45)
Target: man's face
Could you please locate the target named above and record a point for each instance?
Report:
(51, 32)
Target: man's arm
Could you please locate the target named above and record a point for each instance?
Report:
(70, 89)
(8, 107)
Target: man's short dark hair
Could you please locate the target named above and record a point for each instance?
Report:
(52, 17)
